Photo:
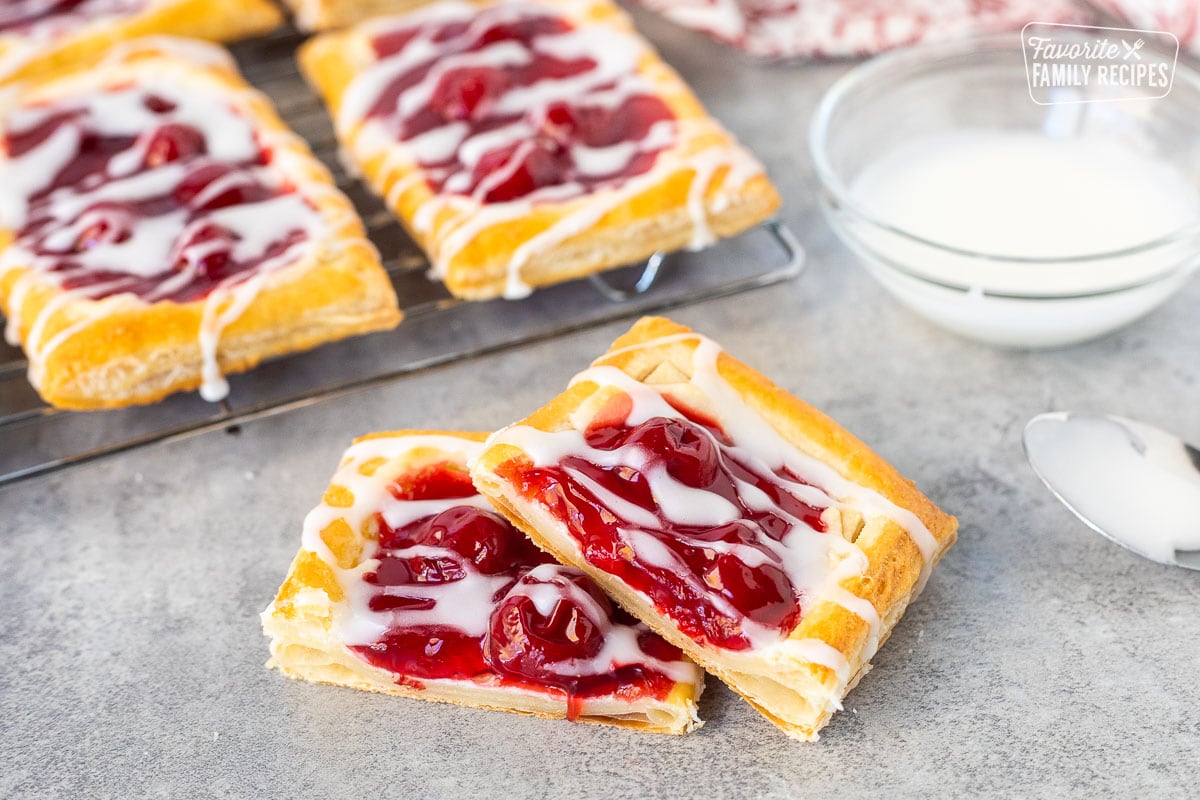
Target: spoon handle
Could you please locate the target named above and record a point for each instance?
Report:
(1193, 454)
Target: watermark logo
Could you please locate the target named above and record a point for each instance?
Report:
(1088, 64)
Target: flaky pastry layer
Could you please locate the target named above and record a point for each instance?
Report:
(796, 693)
(121, 350)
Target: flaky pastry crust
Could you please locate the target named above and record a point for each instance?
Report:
(797, 695)
(654, 218)
(305, 646)
(120, 350)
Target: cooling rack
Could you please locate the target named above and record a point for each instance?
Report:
(438, 329)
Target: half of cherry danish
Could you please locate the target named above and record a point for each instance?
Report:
(746, 527)
(409, 583)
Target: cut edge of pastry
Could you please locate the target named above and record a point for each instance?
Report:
(299, 623)
(803, 704)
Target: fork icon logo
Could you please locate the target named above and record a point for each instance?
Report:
(1132, 49)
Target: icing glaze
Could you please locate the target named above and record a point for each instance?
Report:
(512, 106)
(719, 522)
(447, 590)
(146, 192)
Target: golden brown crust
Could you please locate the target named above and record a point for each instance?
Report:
(797, 695)
(304, 645)
(653, 219)
(124, 351)
(215, 20)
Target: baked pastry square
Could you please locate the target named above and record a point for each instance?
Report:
(40, 36)
(744, 526)
(408, 583)
(523, 143)
(161, 226)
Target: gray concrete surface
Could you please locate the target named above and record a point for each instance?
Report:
(1042, 661)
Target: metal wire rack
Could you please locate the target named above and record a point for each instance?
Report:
(36, 439)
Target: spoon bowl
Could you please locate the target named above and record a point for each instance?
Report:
(1135, 484)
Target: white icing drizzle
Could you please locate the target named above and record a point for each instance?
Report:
(817, 564)
(450, 221)
(153, 244)
(466, 605)
(22, 177)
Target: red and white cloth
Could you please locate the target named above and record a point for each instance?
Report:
(1180, 17)
(842, 28)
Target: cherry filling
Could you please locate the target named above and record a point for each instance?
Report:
(523, 643)
(87, 222)
(517, 645)
(24, 16)
(536, 142)
(712, 579)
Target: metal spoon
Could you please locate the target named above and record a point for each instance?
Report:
(1133, 483)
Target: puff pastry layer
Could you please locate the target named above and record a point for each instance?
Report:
(408, 584)
(161, 226)
(524, 143)
(36, 39)
(744, 526)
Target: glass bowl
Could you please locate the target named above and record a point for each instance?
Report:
(980, 84)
